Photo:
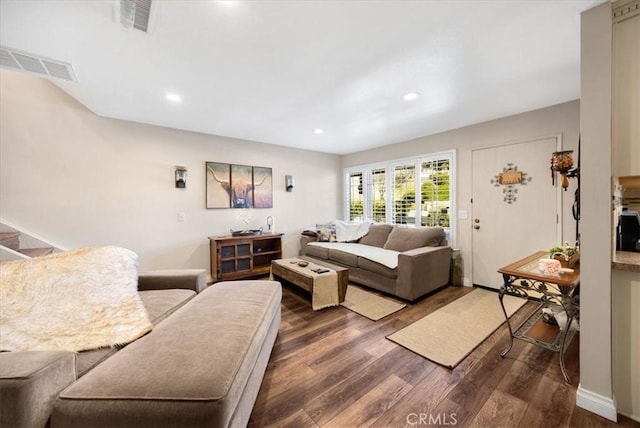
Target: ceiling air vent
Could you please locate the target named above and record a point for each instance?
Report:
(23, 61)
(135, 13)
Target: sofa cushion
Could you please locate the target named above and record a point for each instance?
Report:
(189, 279)
(343, 257)
(375, 267)
(407, 238)
(318, 251)
(191, 370)
(159, 305)
(162, 303)
(383, 256)
(377, 236)
(86, 360)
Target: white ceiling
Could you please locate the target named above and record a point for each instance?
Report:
(273, 71)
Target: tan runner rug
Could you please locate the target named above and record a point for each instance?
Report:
(369, 305)
(449, 334)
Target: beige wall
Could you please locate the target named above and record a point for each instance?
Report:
(626, 93)
(560, 119)
(78, 179)
(626, 342)
(626, 161)
(105, 181)
(595, 391)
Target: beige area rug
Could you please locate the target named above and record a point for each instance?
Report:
(449, 334)
(368, 304)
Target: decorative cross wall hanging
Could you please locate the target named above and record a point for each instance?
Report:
(509, 177)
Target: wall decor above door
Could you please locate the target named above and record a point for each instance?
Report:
(509, 177)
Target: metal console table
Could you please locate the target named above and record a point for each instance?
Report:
(523, 279)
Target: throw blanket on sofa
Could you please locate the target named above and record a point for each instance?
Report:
(74, 301)
(348, 232)
(388, 258)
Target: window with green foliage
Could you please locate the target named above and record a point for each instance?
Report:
(378, 186)
(435, 192)
(404, 194)
(355, 197)
(413, 192)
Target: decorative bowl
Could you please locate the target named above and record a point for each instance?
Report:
(249, 232)
(303, 263)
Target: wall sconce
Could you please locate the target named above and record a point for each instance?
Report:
(181, 177)
(288, 183)
(562, 162)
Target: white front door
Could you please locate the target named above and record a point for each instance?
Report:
(515, 206)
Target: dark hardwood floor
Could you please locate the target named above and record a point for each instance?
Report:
(334, 368)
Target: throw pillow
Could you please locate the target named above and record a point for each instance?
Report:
(312, 233)
(377, 236)
(76, 300)
(407, 238)
(326, 234)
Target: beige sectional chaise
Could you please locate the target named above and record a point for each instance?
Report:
(201, 365)
(398, 260)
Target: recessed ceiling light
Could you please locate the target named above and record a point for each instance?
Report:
(318, 131)
(410, 96)
(173, 97)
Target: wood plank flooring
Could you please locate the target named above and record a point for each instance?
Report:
(334, 368)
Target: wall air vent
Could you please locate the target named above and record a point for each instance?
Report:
(22, 61)
(135, 13)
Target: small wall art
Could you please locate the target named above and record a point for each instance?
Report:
(238, 186)
(509, 177)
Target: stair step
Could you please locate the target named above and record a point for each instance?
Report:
(10, 240)
(36, 252)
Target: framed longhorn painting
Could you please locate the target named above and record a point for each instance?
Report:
(238, 186)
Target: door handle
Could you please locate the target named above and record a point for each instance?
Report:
(476, 220)
(476, 227)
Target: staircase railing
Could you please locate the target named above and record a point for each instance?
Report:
(16, 244)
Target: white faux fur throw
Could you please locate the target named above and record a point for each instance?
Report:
(76, 300)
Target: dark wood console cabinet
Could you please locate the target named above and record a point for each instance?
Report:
(237, 257)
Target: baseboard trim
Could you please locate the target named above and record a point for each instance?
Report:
(632, 417)
(596, 403)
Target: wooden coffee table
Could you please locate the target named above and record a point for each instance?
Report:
(288, 270)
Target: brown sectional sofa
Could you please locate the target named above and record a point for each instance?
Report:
(398, 260)
(201, 365)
